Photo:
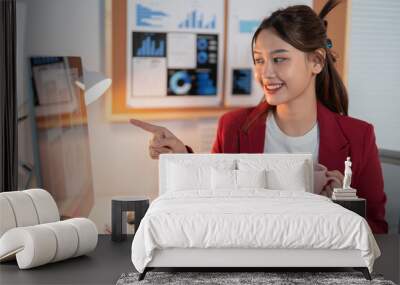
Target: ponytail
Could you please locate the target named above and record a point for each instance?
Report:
(329, 86)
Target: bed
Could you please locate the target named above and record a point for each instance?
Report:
(245, 211)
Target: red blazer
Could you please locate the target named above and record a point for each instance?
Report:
(243, 131)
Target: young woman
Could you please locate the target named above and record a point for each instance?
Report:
(304, 108)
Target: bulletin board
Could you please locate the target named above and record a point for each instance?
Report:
(174, 53)
(137, 30)
(145, 35)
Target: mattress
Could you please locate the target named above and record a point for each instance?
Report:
(250, 219)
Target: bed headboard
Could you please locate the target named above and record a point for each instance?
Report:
(194, 159)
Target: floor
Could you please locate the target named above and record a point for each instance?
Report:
(110, 259)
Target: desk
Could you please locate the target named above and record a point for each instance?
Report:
(111, 259)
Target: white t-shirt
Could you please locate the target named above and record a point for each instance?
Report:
(276, 141)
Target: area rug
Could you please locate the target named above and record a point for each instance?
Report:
(229, 278)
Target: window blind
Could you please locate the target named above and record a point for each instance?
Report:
(374, 68)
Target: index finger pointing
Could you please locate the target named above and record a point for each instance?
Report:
(146, 126)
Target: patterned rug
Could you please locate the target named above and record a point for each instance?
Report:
(230, 278)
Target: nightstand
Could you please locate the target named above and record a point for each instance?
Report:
(119, 206)
(357, 205)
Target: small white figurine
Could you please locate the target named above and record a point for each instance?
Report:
(347, 174)
(345, 193)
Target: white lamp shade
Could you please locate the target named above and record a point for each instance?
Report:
(95, 85)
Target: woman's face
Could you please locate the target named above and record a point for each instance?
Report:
(284, 72)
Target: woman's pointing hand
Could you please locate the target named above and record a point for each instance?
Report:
(163, 140)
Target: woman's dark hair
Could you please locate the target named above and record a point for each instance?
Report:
(302, 28)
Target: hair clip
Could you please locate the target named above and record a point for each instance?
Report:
(329, 43)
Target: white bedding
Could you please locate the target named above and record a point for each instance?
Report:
(251, 218)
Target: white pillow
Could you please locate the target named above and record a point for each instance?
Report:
(193, 174)
(290, 179)
(236, 179)
(251, 178)
(182, 177)
(281, 174)
(223, 179)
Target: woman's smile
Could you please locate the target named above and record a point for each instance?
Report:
(272, 88)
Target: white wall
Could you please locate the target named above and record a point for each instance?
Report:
(120, 162)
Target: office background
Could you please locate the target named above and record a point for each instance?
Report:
(120, 164)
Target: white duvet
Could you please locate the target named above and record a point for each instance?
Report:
(252, 218)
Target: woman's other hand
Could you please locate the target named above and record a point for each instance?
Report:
(163, 141)
(335, 178)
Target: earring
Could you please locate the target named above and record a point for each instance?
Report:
(329, 43)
